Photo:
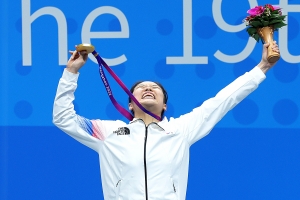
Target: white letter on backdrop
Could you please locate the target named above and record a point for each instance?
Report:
(28, 19)
(187, 57)
(283, 33)
(86, 33)
(217, 14)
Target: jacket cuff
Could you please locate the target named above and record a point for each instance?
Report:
(257, 74)
(69, 76)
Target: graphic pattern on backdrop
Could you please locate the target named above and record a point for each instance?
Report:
(194, 48)
(185, 45)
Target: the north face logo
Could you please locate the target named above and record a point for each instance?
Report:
(122, 131)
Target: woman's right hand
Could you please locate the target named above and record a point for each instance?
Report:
(76, 61)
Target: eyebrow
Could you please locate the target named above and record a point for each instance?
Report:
(141, 84)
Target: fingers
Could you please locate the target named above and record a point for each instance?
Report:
(75, 54)
(265, 49)
(266, 45)
(275, 47)
(85, 56)
(82, 55)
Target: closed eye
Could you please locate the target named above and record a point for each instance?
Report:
(144, 86)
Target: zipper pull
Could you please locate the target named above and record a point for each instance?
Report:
(118, 183)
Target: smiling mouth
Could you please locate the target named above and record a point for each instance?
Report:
(148, 96)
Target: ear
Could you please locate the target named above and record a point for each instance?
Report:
(165, 107)
(130, 107)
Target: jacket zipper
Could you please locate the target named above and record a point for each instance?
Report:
(145, 164)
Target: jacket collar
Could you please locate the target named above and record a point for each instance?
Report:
(161, 124)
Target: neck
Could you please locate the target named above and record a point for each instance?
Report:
(146, 118)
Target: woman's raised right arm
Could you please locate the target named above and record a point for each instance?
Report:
(87, 132)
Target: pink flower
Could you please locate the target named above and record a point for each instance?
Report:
(276, 8)
(270, 7)
(258, 10)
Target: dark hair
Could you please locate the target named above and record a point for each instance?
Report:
(157, 83)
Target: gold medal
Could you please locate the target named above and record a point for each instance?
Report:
(85, 47)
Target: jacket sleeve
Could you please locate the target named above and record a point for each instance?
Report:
(198, 123)
(87, 132)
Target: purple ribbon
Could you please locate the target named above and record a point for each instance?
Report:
(122, 110)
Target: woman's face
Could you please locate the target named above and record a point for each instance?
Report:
(150, 95)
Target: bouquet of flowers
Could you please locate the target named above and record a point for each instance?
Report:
(262, 22)
(263, 16)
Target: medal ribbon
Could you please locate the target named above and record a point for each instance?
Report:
(122, 110)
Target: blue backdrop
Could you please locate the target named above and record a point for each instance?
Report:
(194, 48)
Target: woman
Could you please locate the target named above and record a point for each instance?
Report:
(147, 158)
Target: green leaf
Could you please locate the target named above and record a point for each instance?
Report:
(256, 37)
(251, 31)
(256, 24)
(248, 32)
(265, 23)
(256, 18)
(282, 17)
(275, 21)
(275, 16)
(279, 25)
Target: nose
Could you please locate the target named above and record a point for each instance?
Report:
(148, 88)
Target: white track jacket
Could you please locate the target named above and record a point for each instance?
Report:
(139, 162)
